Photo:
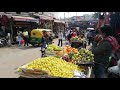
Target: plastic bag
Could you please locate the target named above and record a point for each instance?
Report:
(78, 74)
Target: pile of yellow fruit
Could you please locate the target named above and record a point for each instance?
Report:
(54, 66)
(53, 47)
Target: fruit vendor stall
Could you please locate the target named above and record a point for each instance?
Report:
(66, 62)
(78, 42)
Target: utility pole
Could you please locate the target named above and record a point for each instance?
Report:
(76, 13)
(68, 14)
(76, 16)
(64, 16)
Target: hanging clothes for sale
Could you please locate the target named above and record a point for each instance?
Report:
(4, 20)
(101, 21)
(115, 22)
(107, 19)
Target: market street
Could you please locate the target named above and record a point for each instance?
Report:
(13, 57)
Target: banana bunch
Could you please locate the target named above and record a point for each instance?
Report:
(54, 66)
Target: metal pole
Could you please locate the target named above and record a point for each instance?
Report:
(76, 16)
(76, 13)
(64, 16)
(68, 14)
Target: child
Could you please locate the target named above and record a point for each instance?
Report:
(19, 39)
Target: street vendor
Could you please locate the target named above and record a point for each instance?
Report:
(102, 50)
(74, 34)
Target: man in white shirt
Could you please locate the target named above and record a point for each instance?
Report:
(60, 37)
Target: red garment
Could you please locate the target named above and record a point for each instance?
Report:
(113, 42)
(74, 34)
(117, 31)
(22, 41)
(4, 20)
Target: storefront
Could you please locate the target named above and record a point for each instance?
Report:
(58, 25)
(3, 23)
(45, 22)
(20, 23)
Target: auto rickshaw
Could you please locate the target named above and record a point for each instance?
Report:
(36, 36)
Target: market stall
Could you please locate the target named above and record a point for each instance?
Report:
(78, 42)
(64, 62)
(20, 23)
(25, 22)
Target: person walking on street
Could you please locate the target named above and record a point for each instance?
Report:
(90, 39)
(60, 38)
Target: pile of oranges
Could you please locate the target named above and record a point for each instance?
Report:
(69, 49)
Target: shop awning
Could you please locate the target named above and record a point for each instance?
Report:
(63, 22)
(44, 17)
(28, 19)
(59, 21)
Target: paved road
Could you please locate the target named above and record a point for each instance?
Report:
(13, 57)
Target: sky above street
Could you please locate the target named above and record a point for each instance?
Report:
(70, 14)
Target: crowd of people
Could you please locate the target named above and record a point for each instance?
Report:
(22, 38)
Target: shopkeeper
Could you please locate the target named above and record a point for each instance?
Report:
(102, 50)
(74, 34)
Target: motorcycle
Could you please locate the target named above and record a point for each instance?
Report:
(114, 72)
(3, 42)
